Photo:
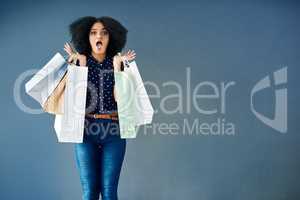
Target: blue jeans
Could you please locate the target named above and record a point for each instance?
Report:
(99, 159)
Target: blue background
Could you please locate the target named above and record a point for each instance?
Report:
(221, 41)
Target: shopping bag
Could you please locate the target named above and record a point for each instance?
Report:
(134, 106)
(144, 109)
(54, 103)
(125, 97)
(60, 88)
(69, 126)
(47, 81)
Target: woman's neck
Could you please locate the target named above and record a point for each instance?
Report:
(98, 57)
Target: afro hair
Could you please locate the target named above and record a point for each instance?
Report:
(80, 30)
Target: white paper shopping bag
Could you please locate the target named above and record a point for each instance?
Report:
(144, 110)
(69, 126)
(43, 83)
(134, 106)
(125, 88)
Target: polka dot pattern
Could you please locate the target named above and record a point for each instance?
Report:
(100, 98)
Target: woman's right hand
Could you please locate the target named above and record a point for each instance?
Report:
(74, 56)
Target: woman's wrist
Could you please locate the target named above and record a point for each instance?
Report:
(117, 61)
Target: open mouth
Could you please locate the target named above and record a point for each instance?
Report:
(98, 44)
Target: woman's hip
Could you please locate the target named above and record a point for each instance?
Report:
(101, 130)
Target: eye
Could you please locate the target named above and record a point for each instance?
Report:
(93, 32)
(105, 32)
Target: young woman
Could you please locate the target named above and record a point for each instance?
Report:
(97, 43)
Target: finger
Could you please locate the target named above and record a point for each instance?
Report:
(132, 55)
(72, 58)
(69, 59)
(68, 47)
(65, 46)
(67, 50)
(131, 51)
(129, 54)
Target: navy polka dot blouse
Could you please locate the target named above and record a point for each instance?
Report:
(100, 98)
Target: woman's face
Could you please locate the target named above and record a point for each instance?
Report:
(99, 38)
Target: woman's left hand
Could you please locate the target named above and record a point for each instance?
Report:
(130, 55)
(118, 59)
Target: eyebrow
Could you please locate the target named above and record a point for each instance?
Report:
(97, 29)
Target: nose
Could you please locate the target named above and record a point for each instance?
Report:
(98, 35)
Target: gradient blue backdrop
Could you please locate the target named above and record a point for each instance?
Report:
(241, 41)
